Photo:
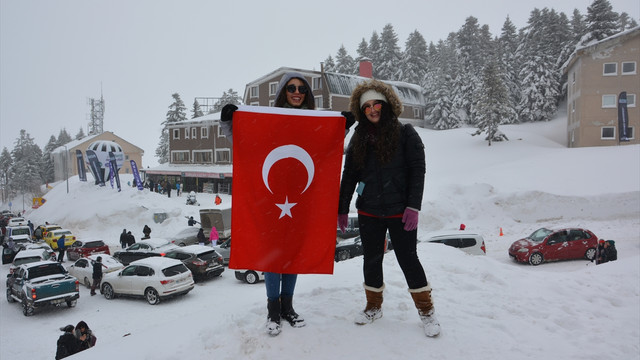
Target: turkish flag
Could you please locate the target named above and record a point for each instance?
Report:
(286, 179)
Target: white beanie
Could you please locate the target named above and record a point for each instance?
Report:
(371, 95)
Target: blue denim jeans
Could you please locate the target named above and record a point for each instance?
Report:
(272, 282)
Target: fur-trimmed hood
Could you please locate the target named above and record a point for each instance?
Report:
(392, 98)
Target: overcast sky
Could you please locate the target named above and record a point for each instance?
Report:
(55, 55)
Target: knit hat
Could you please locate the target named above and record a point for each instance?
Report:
(371, 95)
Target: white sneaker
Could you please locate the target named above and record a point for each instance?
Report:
(367, 317)
(430, 324)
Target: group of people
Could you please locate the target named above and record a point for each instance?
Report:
(163, 187)
(127, 239)
(385, 165)
(606, 251)
(74, 340)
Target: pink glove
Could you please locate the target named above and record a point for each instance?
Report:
(410, 219)
(343, 222)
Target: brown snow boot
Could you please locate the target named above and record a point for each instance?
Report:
(373, 310)
(424, 304)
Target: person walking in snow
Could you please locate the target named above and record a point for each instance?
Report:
(178, 189)
(130, 238)
(385, 165)
(147, 232)
(67, 344)
(123, 238)
(96, 275)
(293, 92)
(201, 237)
(213, 236)
(61, 248)
(168, 189)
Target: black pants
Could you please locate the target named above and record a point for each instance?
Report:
(60, 255)
(372, 233)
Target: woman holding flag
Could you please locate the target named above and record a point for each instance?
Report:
(293, 92)
(385, 165)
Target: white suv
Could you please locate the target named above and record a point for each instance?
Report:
(469, 242)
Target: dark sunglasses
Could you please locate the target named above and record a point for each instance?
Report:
(301, 89)
(367, 109)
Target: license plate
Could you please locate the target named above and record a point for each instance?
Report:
(57, 301)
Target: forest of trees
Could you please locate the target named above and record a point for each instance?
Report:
(470, 77)
(483, 80)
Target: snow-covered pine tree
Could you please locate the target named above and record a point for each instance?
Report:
(228, 97)
(177, 112)
(374, 53)
(47, 160)
(329, 64)
(414, 63)
(63, 137)
(492, 108)
(196, 111)
(507, 46)
(389, 55)
(625, 22)
(363, 50)
(578, 26)
(443, 114)
(6, 162)
(80, 134)
(27, 163)
(344, 62)
(602, 21)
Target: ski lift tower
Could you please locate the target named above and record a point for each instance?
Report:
(96, 121)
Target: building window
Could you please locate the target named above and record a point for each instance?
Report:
(318, 101)
(223, 156)
(202, 157)
(255, 103)
(220, 133)
(273, 88)
(630, 133)
(204, 132)
(608, 133)
(609, 101)
(186, 133)
(416, 113)
(176, 134)
(629, 68)
(631, 100)
(253, 91)
(272, 102)
(610, 69)
(316, 83)
(179, 156)
(194, 133)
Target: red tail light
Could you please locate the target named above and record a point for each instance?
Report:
(77, 285)
(33, 294)
(484, 249)
(166, 282)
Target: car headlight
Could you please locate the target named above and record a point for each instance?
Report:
(523, 250)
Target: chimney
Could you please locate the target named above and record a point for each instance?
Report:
(366, 68)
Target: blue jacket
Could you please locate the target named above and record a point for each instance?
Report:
(61, 243)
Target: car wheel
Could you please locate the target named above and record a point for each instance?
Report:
(107, 291)
(72, 303)
(27, 310)
(182, 244)
(536, 259)
(251, 277)
(9, 297)
(152, 296)
(343, 255)
(87, 283)
(590, 254)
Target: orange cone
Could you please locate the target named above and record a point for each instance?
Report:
(501, 234)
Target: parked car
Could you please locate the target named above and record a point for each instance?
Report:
(81, 249)
(224, 249)
(187, 236)
(17, 220)
(250, 276)
(551, 245)
(469, 242)
(82, 269)
(144, 249)
(203, 261)
(19, 233)
(8, 254)
(51, 238)
(352, 230)
(42, 283)
(349, 248)
(28, 256)
(41, 230)
(154, 278)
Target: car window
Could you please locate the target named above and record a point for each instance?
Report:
(144, 271)
(174, 270)
(129, 270)
(558, 237)
(208, 255)
(134, 247)
(94, 244)
(26, 260)
(177, 255)
(77, 244)
(82, 263)
(467, 242)
(45, 270)
(577, 235)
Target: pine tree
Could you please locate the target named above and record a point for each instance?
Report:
(389, 55)
(578, 26)
(344, 62)
(507, 46)
(414, 63)
(493, 106)
(329, 65)
(228, 97)
(80, 134)
(196, 112)
(27, 162)
(63, 137)
(602, 21)
(6, 162)
(47, 160)
(625, 22)
(363, 50)
(374, 53)
(177, 112)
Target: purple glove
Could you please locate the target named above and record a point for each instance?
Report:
(410, 219)
(343, 222)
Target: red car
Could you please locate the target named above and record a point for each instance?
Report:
(80, 249)
(551, 245)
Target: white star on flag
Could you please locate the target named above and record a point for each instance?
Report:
(286, 208)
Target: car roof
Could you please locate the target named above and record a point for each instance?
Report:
(38, 263)
(449, 233)
(59, 231)
(196, 249)
(29, 253)
(157, 262)
(155, 242)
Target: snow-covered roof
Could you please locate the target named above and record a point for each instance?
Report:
(581, 49)
(190, 170)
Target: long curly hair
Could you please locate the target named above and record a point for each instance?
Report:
(381, 138)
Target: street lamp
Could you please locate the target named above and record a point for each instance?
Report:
(66, 167)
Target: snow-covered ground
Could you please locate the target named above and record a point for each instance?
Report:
(489, 307)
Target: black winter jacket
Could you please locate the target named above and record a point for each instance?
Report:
(390, 188)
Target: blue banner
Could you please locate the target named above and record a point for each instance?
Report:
(82, 173)
(94, 165)
(111, 174)
(136, 175)
(623, 117)
(114, 164)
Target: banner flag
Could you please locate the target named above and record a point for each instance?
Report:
(95, 167)
(623, 117)
(110, 173)
(136, 175)
(82, 173)
(114, 167)
(286, 180)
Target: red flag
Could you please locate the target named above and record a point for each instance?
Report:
(286, 179)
